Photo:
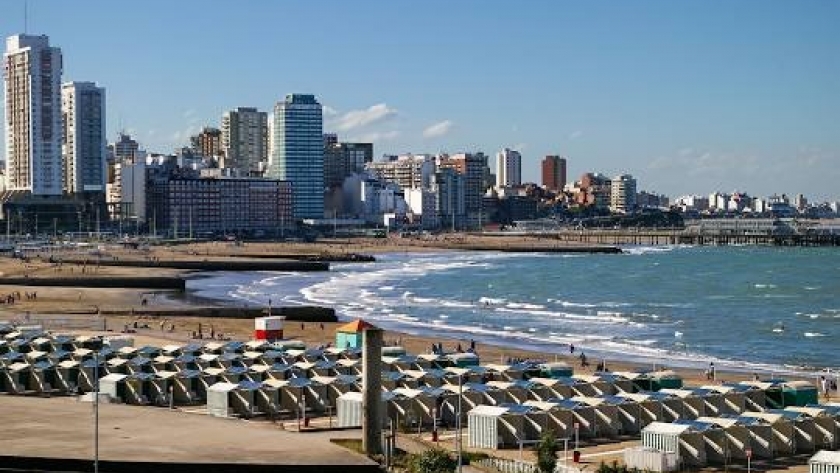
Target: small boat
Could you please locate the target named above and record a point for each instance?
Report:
(678, 334)
(779, 328)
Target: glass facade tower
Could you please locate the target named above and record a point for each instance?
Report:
(298, 153)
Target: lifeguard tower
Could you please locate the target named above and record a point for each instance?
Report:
(269, 328)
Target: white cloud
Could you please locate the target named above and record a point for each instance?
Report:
(376, 136)
(329, 111)
(360, 118)
(575, 134)
(438, 129)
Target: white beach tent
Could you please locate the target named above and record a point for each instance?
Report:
(738, 437)
(734, 397)
(557, 388)
(824, 462)
(227, 400)
(684, 440)
(494, 427)
(804, 429)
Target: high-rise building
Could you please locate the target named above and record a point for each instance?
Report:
(343, 159)
(623, 193)
(298, 154)
(245, 138)
(208, 142)
(473, 167)
(408, 171)
(125, 149)
(554, 173)
(83, 143)
(33, 115)
(508, 168)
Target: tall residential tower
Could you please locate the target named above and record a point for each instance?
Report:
(554, 173)
(508, 168)
(245, 138)
(32, 73)
(83, 140)
(298, 154)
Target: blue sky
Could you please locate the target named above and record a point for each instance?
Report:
(689, 96)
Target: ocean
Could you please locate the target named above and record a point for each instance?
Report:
(757, 309)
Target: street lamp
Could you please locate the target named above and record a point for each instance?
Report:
(458, 420)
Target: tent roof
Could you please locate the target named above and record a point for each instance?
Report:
(826, 456)
(667, 428)
(355, 326)
(223, 387)
(490, 411)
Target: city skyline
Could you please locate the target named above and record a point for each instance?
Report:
(688, 98)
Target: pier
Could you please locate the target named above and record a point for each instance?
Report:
(681, 237)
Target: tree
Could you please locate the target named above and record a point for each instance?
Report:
(547, 452)
(434, 460)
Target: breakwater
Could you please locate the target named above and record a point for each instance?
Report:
(302, 313)
(514, 248)
(326, 257)
(123, 282)
(205, 265)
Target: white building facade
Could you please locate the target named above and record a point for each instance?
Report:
(32, 84)
(508, 168)
(623, 194)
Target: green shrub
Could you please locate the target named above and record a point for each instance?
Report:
(434, 460)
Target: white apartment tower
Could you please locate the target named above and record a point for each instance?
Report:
(508, 168)
(32, 73)
(83, 143)
(245, 138)
(623, 194)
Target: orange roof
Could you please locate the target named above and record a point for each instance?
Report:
(355, 326)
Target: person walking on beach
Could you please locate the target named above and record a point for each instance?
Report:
(824, 386)
(710, 374)
(572, 348)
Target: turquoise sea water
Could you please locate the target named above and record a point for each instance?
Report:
(751, 307)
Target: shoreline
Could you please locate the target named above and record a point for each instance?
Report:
(121, 300)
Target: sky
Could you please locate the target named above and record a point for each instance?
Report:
(689, 96)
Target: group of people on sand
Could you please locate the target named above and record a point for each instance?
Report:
(13, 297)
(437, 349)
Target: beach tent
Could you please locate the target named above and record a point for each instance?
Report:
(257, 345)
(598, 385)
(824, 462)
(403, 363)
(67, 375)
(230, 359)
(500, 372)
(43, 377)
(650, 405)
(234, 374)
(17, 378)
(619, 383)
(12, 357)
(557, 419)
(163, 363)
(519, 391)
(607, 422)
(556, 387)
(187, 387)
(348, 366)
(426, 402)
(685, 440)
(59, 355)
(229, 399)
(394, 379)
(40, 344)
(269, 357)
(300, 393)
(784, 435)
(630, 413)
(215, 348)
(82, 354)
(171, 350)
(463, 360)
(774, 392)
(734, 397)
(266, 397)
(583, 415)
(496, 427)
(62, 343)
(556, 369)
(799, 393)
(283, 371)
(350, 335)
(738, 437)
(87, 379)
(126, 352)
(149, 351)
(335, 386)
(714, 403)
(804, 429)
(185, 362)
(349, 409)
(826, 424)
(258, 372)
(251, 357)
(693, 405)
(208, 360)
(234, 346)
(139, 364)
(130, 389)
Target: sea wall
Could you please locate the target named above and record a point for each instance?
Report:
(206, 265)
(124, 282)
(293, 313)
